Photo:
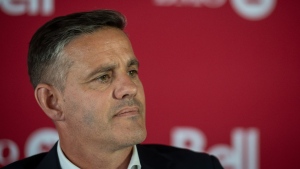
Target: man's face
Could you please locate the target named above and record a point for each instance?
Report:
(103, 99)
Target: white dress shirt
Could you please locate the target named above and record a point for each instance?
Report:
(67, 164)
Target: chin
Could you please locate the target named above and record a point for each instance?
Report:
(142, 137)
(134, 138)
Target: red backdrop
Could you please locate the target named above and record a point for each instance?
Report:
(221, 76)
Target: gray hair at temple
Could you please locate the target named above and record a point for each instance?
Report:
(45, 61)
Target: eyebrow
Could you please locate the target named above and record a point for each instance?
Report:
(109, 67)
(133, 62)
(101, 68)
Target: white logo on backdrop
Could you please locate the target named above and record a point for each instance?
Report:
(40, 141)
(253, 9)
(248, 9)
(13, 151)
(30, 7)
(242, 154)
(194, 3)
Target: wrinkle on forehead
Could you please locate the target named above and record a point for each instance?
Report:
(106, 39)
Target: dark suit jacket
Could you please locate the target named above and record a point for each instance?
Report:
(151, 157)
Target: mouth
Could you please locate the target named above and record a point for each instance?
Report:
(127, 112)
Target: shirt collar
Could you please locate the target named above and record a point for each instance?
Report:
(135, 160)
(66, 164)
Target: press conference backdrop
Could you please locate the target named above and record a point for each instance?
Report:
(220, 76)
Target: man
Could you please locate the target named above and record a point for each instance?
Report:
(85, 76)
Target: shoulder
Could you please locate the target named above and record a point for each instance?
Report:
(30, 162)
(183, 157)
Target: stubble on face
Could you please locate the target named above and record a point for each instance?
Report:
(90, 111)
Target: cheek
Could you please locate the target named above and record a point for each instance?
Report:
(92, 107)
(78, 107)
(89, 117)
(85, 116)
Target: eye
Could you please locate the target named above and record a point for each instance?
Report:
(133, 73)
(104, 78)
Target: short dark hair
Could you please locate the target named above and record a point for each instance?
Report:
(45, 61)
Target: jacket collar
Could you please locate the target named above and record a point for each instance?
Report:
(151, 159)
(50, 161)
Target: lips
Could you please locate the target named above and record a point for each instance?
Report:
(128, 111)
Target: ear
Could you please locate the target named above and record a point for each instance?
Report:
(49, 98)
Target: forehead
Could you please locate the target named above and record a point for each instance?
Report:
(103, 44)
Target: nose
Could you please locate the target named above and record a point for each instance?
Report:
(125, 88)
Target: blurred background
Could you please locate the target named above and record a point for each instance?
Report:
(220, 76)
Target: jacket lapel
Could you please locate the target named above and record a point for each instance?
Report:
(50, 161)
(151, 159)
